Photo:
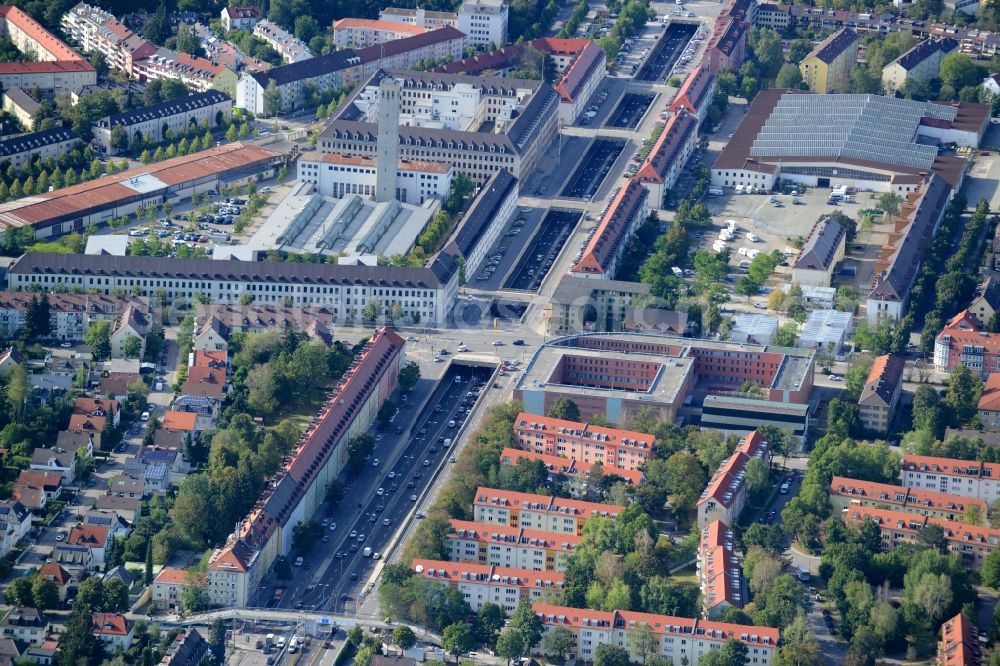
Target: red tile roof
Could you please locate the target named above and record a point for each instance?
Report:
(208, 357)
(486, 574)
(36, 478)
(110, 624)
(989, 401)
(490, 533)
(205, 382)
(568, 466)
(922, 500)
(85, 405)
(88, 534)
(542, 503)
(959, 644)
(612, 230)
(55, 573)
(172, 576)
(725, 483)
(184, 421)
(950, 466)
(693, 93)
(676, 133)
(87, 423)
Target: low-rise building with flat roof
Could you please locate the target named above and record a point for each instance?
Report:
(825, 330)
(336, 176)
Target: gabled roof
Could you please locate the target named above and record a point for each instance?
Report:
(573, 80)
(729, 480)
(989, 401)
(89, 535)
(820, 249)
(923, 51)
(165, 109)
(55, 573)
(694, 92)
(667, 150)
(959, 644)
(612, 230)
(406, 44)
(308, 69)
(830, 48)
(110, 624)
(883, 379)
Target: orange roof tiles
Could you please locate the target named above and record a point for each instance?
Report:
(405, 164)
(384, 26)
(89, 535)
(531, 502)
(612, 230)
(721, 575)
(472, 531)
(85, 405)
(954, 531)
(692, 94)
(86, 423)
(588, 57)
(950, 466)
(959, 644)
(172, 576)
(568, 466)
(902, 496)
(487, 574)
(42, 480)
(534, 422)
(726, 482)
(46, 40)
(55, 573)
(179, 421)
(209, 357)
(205, 382)
(989, 401)
(110, 624)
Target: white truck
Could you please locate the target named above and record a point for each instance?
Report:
(715, 191)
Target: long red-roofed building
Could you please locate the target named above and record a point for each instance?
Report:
(298, 489)
(537, 512)
(663, 165)
(696, 94)
(726, 493)
(967, 478)
(485, 583)
(55, 66)
(569, 467)
(614, 448)
(677, 638)
(972, 543)
(720, 573)
(628, 210)
(845, 493)
(506, 546)
(959, 644)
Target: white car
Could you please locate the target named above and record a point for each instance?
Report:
(380, 492)
(413, 498)
(376, 462)
(392, 475)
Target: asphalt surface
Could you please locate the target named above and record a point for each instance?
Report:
(593, 168)
(543, 249)
(341, 566)
(629, 110)
(669, 47)
(502, 257)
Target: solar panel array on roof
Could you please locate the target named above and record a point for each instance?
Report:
(861, 127)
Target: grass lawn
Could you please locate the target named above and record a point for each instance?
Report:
(686, 576)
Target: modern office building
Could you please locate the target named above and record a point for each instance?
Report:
(484, 22)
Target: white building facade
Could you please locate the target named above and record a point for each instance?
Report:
(484, 22)
(339, 175)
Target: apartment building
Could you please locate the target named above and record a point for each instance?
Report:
(696, 94)
(523, 115)
(880, 395)
(726, 493)
(427, 294)
(168, 586)
(921, 62)
(989, 402)
(580, 304)
(575, 472)
(846, 493)
(720, 573)
(964, 341)
(214, 324)
(335, 71)
(972, 543)
(291, 48)
(484, 583)
(198, 74)
(22, 106)
(727, 46)
(819, 256)
(666, 160)
(899, 262)
(960, 644)
(47, 144)
(69, 314)
(484, 22)
(340, 175)
(537, 512)
(51, 64)
(359, 33)
(507, 546)
(955, 477)
(150, 123)
(239, 18)
(614, 448)
(627, 211)
(678, 639)
(827, 68)
(986, 301)
(423, 18)
(483, 221)
(298, 489)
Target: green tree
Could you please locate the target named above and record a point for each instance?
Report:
(565, 409)
(44, 593)
(403, 637)
(607, 654)
(962, 396)
(148, 577)
(958, 71)
(786, 335)
(19, 592)
(457, 639)
(78, 645)
(132, 347)
(272, 100)
(928, 411)
(409, 376)
(527, 622)
(560, 641)
(115, 598)
(789, 76)
(98, 338)
(510, 645)
(217, 640)
(732, 653)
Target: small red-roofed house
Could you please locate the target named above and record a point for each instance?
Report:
(113, 629)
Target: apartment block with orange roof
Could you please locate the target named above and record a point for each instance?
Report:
(513, 547)
(537, 512)
(359, 33)
(614, 448)
(845, 493)
(989, 402)
(967, 478)
(574, 470)
(678, 639)
(972, 543)
(168, 586)
(485, 583)
(726, 494)
(959, 644)
(720, 574)
(963, 341)
(880, 395)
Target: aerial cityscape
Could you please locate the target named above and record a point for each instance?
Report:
(610, 332)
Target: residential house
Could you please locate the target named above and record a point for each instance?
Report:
(15, 521)
(537, 512)
(202, 394)
(481, 584)
(624, 215)
(56, 460)
(189, 649)
(725, 495)
(720, 575)
(986, 302)
(182, 422)
(24, 625)
(118, 526)
(168, 439)
(48, 483)
(74, 441)
(84, 547)
(114, 630)
(696, 94)
(239, 18)
(119, 572)
(22, 106)
(168, 585)
(964, 341)
(128, 508)
(91, 424)
(154, 474)
(922, 62)
(960, 644)
(662, 167)
(10, 358)
(506, 546)
(948, 475)
(130, 485)
(291, 48)
(881, 392)
(972, 543)
(59, 577)
(827, 69)
(846, 493)
(98, 407)
(133, 323)
(822, 251)
(989, 402)
(9, 652)
(616, 449)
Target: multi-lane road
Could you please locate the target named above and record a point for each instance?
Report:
(381, 499)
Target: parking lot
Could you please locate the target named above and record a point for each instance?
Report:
(668, 49)
(541, 252)
(563, 155)
(593, 168)
(502, 256)
(630, 110)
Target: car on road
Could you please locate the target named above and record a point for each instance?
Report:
(413, 498)
(386, 522)
(60, 537)
(498, 343)
(452, 460)
(354, 534)
(380, 492)
(66, 345)
(426, 463)
(518, 343)
(376, 462)
(361, 538)
(392, 475)
(835, 378)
